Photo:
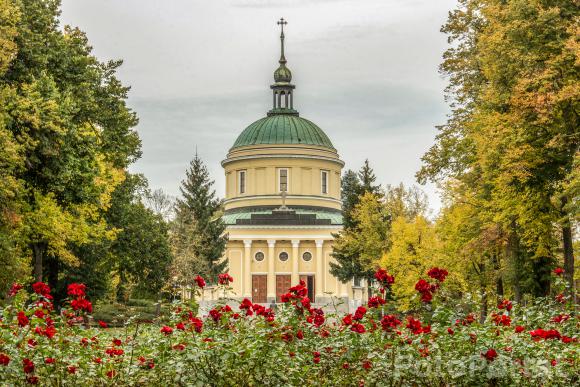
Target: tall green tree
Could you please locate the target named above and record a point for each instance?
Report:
(513, 134)
(354, 186)
(199, 210)
(70, 133)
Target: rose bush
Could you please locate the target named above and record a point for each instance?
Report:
(241, 343)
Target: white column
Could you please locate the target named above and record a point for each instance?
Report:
(271, 294)
(246, 269)
(319, 273)
(295, 260)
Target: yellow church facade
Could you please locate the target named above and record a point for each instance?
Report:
(282, 204)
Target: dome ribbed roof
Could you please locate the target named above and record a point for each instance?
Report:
(283, 129)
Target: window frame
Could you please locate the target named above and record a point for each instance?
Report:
(311, 256)
(324, 183)
(287, 256)
(242, 189)
(263, 255)
(287, 179)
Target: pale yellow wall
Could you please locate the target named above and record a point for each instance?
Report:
(235, 253)
(262, 167)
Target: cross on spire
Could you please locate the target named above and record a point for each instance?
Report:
(282, 23)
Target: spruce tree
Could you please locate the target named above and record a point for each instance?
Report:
(200, 208)
(350, 190)
(347, 251)
(367, 179)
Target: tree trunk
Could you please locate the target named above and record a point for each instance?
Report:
(38, 250)
(52, 269)
(483, 314)
(514, 255)
(568, 248)
(498, 278)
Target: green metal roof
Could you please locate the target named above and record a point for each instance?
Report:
(280, 128)
(334, 216)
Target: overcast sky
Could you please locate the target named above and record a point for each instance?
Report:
(365, 71)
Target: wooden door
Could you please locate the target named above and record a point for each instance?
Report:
(259, 288)
(309, 280)
(282, 285)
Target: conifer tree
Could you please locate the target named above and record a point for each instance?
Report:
(201, 209)
(367, 179)
(347, 253)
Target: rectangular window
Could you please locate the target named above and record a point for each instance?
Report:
(242, 181)
(283, 179)
(324, 181)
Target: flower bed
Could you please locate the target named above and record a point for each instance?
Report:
(295, 345)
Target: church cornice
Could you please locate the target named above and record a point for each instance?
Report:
(258, 197)
(281, 156)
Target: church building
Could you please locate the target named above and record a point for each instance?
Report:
(282, 203)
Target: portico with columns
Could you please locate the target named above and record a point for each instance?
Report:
(283, 204)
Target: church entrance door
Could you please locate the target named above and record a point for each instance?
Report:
(283, 284)
(259, 288)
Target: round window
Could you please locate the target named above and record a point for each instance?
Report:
(259, 256)
(307, 256)
(283, 256)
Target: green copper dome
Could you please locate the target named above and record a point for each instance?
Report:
(283, 129)
(283, 74)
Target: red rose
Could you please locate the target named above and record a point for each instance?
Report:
(505, 304)
(4, 359)
(501, 319)
(358, 328)
(32, 379)
(438, 274)
(225, 279)
(98, 360)
(197, 324)
(14, 289)
(111, 374)
(71, 369)
(199, 281)
(166, 330)
(117, 342)
(345, 366)
(375, 302)
(560, 318)
(82, 304)
(359, 313)
(215, 315)
(384, 278)
(490, 355)
(27, 366)
(22, 319)
(42, 289)
(102, 324)
(49, 360)
(388, 322)
(300, 335)
(76, 290)
(367, 365)
(450, 331)
(543, 334)
(558, 271)
(519, 329)
(415, 326)
(347, 320)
